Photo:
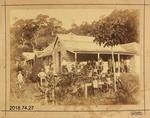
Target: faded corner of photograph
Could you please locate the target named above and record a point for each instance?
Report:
(74, 57)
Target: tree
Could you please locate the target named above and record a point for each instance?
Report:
(118, 28)
(46, 31)
(22, 33)
(83, 29)
(29, 33)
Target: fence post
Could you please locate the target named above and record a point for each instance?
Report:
(85, 90)
(76, 61)
(53, 90)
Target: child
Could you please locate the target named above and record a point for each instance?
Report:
(109, 77)
(20, 80)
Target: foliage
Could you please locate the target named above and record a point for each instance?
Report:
(28, 33)
(35, 70)
(128, 89)
(117, 28)
(121, 26)
(83, 29)
(47, 31)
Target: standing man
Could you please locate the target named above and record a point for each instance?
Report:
(47, 68)
(122, 65)
(127, 65)
(100, 67)
(110, 65)
(42, 76)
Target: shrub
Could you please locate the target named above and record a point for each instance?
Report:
(35, 70)
(128, 88)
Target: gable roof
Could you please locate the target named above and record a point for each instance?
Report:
(48, 50)
(76, 43)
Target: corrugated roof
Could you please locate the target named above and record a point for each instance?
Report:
(74, 43)
(132, 47)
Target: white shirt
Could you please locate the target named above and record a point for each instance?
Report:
(108, 80)
(42, 75)
(95, 84)
(47, 68)
(20, 78)
(128, 62)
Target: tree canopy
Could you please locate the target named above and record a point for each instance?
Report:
(29, 33)
(121, 26)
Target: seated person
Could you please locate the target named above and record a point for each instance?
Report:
(64, 69)
(72, 68)
(109, 77)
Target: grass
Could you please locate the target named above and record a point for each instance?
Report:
(30, 94)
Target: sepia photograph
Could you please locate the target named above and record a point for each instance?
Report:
(75, 56)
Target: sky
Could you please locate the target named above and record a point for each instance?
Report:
(67, 16)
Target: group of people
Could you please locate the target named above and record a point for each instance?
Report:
(97, 67)
(89, 69)
(24, 74)
(94, 72)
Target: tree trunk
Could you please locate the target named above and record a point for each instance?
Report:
(114, 75)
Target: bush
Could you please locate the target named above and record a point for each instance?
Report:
(35, 70)
(128, 88)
